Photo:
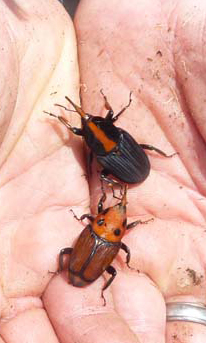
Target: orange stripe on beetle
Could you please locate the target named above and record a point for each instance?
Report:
(100, 135)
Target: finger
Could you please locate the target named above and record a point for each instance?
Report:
(174, 261)
(39, 177)
(30, 326)
(141, 304)
(30, 136)
(78, 313)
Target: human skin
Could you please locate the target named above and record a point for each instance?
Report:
(155, 49)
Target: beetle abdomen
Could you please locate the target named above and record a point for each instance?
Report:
(103, 256)
(129, 163)
(77, 280)
(90, 257)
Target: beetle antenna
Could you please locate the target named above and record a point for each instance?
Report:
(51, 114)
(65, 108)
(61, 119)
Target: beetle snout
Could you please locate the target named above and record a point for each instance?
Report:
(121, 208)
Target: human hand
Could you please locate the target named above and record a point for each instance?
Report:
(170, 251)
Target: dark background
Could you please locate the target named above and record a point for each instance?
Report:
(70, 6)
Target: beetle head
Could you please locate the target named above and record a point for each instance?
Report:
(111, 223)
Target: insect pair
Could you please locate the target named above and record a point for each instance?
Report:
(123, 158)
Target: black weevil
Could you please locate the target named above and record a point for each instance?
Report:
(115, 149)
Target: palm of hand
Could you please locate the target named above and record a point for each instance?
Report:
(41, 178)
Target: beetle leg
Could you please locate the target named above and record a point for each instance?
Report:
(64, 121)
(111, 182)
(86, 215)
(65, 108)
(128, 256)
(102, 199)
(133, 224)
(150, 147)
(110, 112)
(114, 195)
(65, 251)
(123, 109)
(112, 271)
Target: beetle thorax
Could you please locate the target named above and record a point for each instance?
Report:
(111, 224)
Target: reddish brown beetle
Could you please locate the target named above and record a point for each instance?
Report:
(98, 245)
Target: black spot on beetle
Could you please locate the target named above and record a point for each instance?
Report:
(117, 232)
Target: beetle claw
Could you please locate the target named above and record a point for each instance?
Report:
(104, 300)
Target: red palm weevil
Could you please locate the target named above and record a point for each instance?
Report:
(115, 149)
(98, 245)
